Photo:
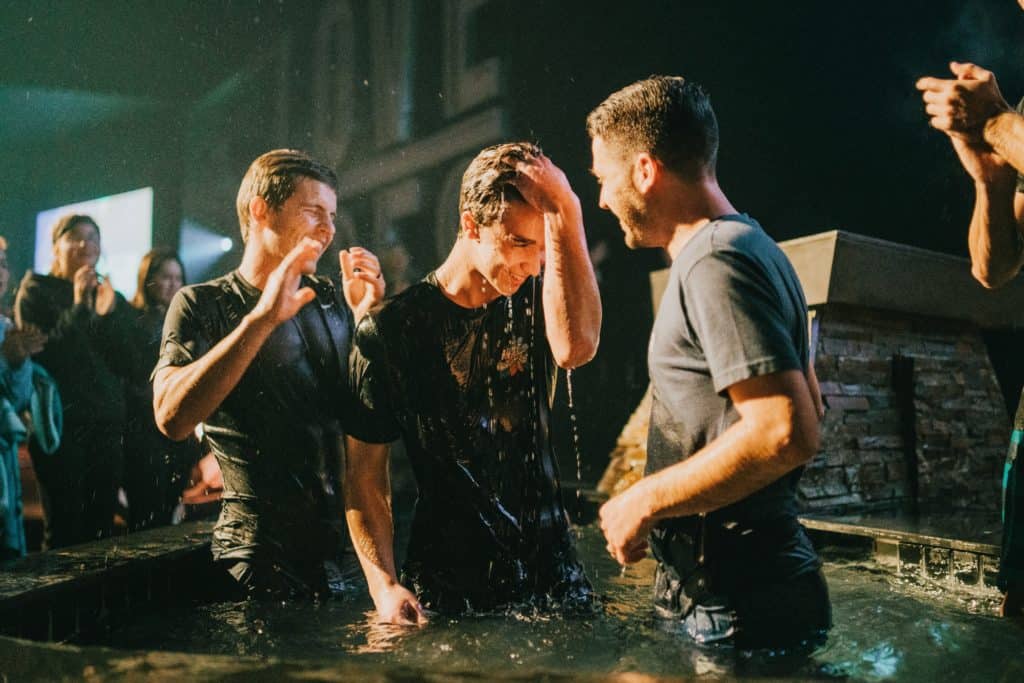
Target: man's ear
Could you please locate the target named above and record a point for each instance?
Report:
(258, 209)
(468, 226)
(646, 171)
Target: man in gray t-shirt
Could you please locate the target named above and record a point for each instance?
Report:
(736, 404)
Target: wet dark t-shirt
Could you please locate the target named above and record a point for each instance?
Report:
(274, 433)
(469, 391)
(733, 309)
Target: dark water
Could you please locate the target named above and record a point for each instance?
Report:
(885, 629)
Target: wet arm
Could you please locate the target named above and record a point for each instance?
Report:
(368, 512)
(185, 396)
(1004, 132)
(572, 304)
(994, 236)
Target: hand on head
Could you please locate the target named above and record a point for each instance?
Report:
(361, 279)
(544, 185)
(963, 105)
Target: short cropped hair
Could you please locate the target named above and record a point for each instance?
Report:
(488, 183)
(274, 176)
(666, 116)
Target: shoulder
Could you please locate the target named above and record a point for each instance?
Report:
(397, 317)
(38, 284)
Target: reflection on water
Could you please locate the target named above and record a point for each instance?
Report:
(885, 629)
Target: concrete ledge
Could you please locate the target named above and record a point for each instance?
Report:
(77, 592)
(844, 268)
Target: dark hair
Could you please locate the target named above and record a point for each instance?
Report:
(488, 183)
(273, 176)
(151, 263)
(67, 223)
(667, 116)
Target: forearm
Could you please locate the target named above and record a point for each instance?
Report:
(572, 304)
(368, 513)
(993, 239)
(185, 396)
(727, 470)
(1005, 134)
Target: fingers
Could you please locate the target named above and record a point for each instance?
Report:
(968, 71)
(357, 260)
(295, 260)
(303, 296)
(345, 260)
(414, 612)
(933, 84)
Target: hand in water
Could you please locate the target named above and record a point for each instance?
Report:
(625, 527)
(282, 297)
(398, 605)
(361, 279)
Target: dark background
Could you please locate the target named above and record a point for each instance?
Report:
(821, 126)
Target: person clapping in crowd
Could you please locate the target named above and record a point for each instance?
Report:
(89, 353)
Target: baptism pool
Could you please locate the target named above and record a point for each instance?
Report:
(886, 628)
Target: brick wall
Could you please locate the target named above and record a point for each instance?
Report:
(932, 420)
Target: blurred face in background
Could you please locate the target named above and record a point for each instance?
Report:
(79, 246)
(164, 282)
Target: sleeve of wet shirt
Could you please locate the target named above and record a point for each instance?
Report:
(372, 417)
(738, 317)
(184, 338)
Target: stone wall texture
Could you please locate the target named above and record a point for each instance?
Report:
(912, 403)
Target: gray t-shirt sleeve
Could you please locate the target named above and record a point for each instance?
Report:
(737, 318)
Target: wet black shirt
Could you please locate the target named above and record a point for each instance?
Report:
(470, 391)
(274, 433)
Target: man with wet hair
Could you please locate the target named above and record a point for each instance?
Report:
(736, 407)
(259, 356)
(462, 367)
(988, 136)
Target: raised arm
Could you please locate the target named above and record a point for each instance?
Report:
(368, 513)
(988, 137)
(776, 433)
(185, 396)
(572, 304)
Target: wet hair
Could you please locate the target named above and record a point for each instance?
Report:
(67, 223)
(151, 264)
(668, 117)
(488, 183)
(274, 176)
